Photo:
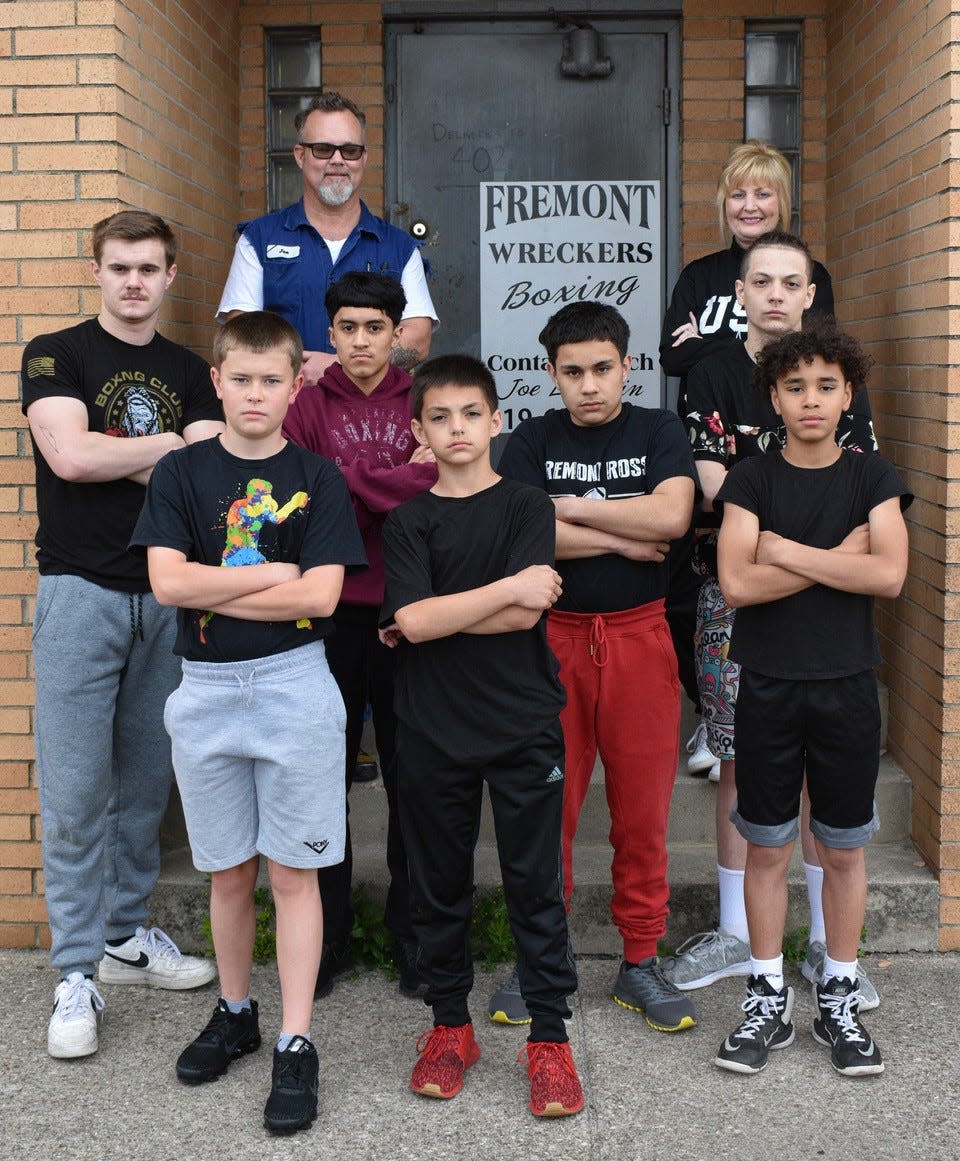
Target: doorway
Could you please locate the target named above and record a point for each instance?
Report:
(504, 98)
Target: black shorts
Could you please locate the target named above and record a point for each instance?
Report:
(828, 729)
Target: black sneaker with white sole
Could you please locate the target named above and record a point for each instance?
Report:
(767, 1026)
(226, 1036)
(292, 1103)
(852, 1048)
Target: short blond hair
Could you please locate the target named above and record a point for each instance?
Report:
(258, 331)
(756, 163)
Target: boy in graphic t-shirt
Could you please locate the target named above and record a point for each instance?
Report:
(249, 536)
(810, 535)
(622, 482)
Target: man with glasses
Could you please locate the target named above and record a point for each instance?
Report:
(286, 261)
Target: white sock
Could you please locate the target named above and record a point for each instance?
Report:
(733, 913)
(814, 876)
(834, 969)
(285, 1039)
(238, 1006)
(771, 968)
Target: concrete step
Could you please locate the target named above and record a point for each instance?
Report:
(902, 908)
(692, 810)
(902, 905)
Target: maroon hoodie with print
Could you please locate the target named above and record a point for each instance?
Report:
(368, 437)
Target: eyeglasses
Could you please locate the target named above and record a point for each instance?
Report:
(324, 150)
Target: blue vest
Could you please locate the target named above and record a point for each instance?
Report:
(297, 271)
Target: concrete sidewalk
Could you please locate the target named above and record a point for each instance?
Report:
(649, 1095)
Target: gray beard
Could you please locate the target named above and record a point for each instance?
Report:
(337, 195)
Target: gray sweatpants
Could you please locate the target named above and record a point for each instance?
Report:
(104, 669)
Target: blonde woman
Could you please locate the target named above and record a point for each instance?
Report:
(753, 197)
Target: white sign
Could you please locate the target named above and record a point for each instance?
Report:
(544, 244)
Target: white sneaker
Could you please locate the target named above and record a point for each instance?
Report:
(151, 957)
(701, 761)
(75, 1020)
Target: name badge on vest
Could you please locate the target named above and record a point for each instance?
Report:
(275, 250)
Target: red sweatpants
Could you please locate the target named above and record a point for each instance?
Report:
(623, 697)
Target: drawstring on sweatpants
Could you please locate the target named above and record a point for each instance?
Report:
(136, 617)
(598, 641)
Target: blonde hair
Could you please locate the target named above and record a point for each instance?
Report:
(258, 331)
(756, 163)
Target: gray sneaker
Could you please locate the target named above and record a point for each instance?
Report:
(812, 970)
(706, 957)
(642, 987)
(506, 1003)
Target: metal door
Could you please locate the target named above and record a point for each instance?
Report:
(490, 100)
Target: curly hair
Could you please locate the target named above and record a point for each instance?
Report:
(821, 337)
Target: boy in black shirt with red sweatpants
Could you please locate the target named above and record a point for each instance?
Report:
(622, 483)
(469, 568)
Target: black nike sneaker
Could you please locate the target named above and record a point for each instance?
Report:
(292, 1103)
(226, 1036)
(767, 1026)
(852, 1048)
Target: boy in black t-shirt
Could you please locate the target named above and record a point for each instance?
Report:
(469, 568)
(249, 536)
(810, 535)
(622, 482)
(729, 421)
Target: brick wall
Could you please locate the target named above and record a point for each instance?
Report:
(712, 110)
(105, 104)
(351, 38)
(893, 234)
(102, 105)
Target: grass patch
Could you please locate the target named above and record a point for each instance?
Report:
(795, 944)
(491, 939)
(265, 936)
(370, 941)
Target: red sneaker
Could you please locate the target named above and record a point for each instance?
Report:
(555, 1089)
(445, 1055)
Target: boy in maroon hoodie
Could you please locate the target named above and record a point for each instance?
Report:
(358, 415)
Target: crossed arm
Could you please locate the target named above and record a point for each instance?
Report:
(511, 603)
(757, 567)
(273, 591)
(60, 429)
(638, 528)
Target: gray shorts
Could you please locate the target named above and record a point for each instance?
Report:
(258, 751)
